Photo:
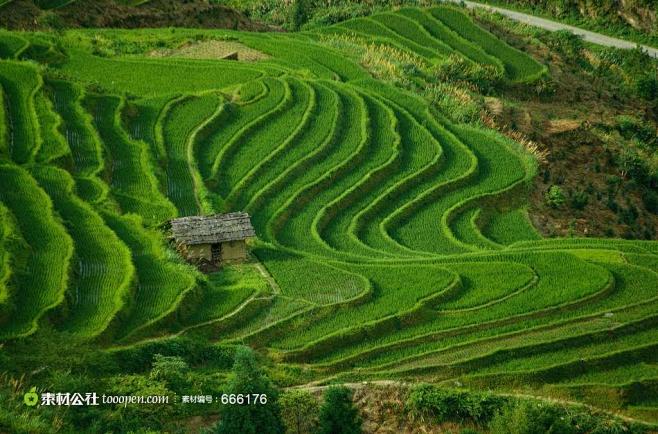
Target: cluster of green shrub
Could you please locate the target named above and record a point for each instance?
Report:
(508, 414)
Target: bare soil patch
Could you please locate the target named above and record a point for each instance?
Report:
(213, 49)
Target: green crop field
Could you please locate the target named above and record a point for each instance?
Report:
(392, 243)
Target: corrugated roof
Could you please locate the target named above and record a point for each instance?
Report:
(212, 229)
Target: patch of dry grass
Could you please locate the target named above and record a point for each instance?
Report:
(383, 61)
(213, 49)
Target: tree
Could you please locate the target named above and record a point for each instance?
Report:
(299, 410)
(555, 197)
(250, 417)
(338, 414)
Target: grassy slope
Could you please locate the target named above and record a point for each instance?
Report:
(374, 215)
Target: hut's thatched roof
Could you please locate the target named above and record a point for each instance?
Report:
(212, 229)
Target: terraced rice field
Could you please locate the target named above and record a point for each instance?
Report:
(386, 228)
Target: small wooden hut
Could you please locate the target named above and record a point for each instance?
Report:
(214, 239)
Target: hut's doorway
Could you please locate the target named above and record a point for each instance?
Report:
(216, 252)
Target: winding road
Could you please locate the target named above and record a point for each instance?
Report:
(593, 37)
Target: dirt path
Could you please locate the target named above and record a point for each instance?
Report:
(276, 290)
(593, 37)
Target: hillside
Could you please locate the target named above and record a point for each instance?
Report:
(396, 233)
(57, 14)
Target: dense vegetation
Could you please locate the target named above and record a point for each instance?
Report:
(397, 238)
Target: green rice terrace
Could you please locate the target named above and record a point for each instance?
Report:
(391, 242)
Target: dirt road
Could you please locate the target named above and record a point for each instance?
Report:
(593, 37)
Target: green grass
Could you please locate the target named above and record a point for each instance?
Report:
(443, 33)
(299, 54)
(140, 119)
(271, 314)
(279, 137)
(223, 292)
(161, 281)
(336, 222)
(627, 337)
(78, 129)
(155, 77)
(372, 28)
(83, 141)
(7, 231)
(315, 146)
(180, 126)
(235, 119)
(627, 246)
(54, 144)
(20, 83)
(411, 30)
(293, 229)
(310, 281)
(252, 91)
(620, 375)
(508, 227)
(259, 141)
(486, 283)
(129, 163)
(4, 127)
(394, 292)
(103, 270)
(41, 260)
(643, 260)
(578, 281)
(464, 227)
(631, 289)
(519, 66)
(11, 45)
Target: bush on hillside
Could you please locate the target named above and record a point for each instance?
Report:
(555, 197)
(338, 414)
(447, 405)
(631, 163)
(579, 200)
(566, 43)
(633, 128)
(299, 411)
(247, 418)
(531, 418)
(647, 87)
